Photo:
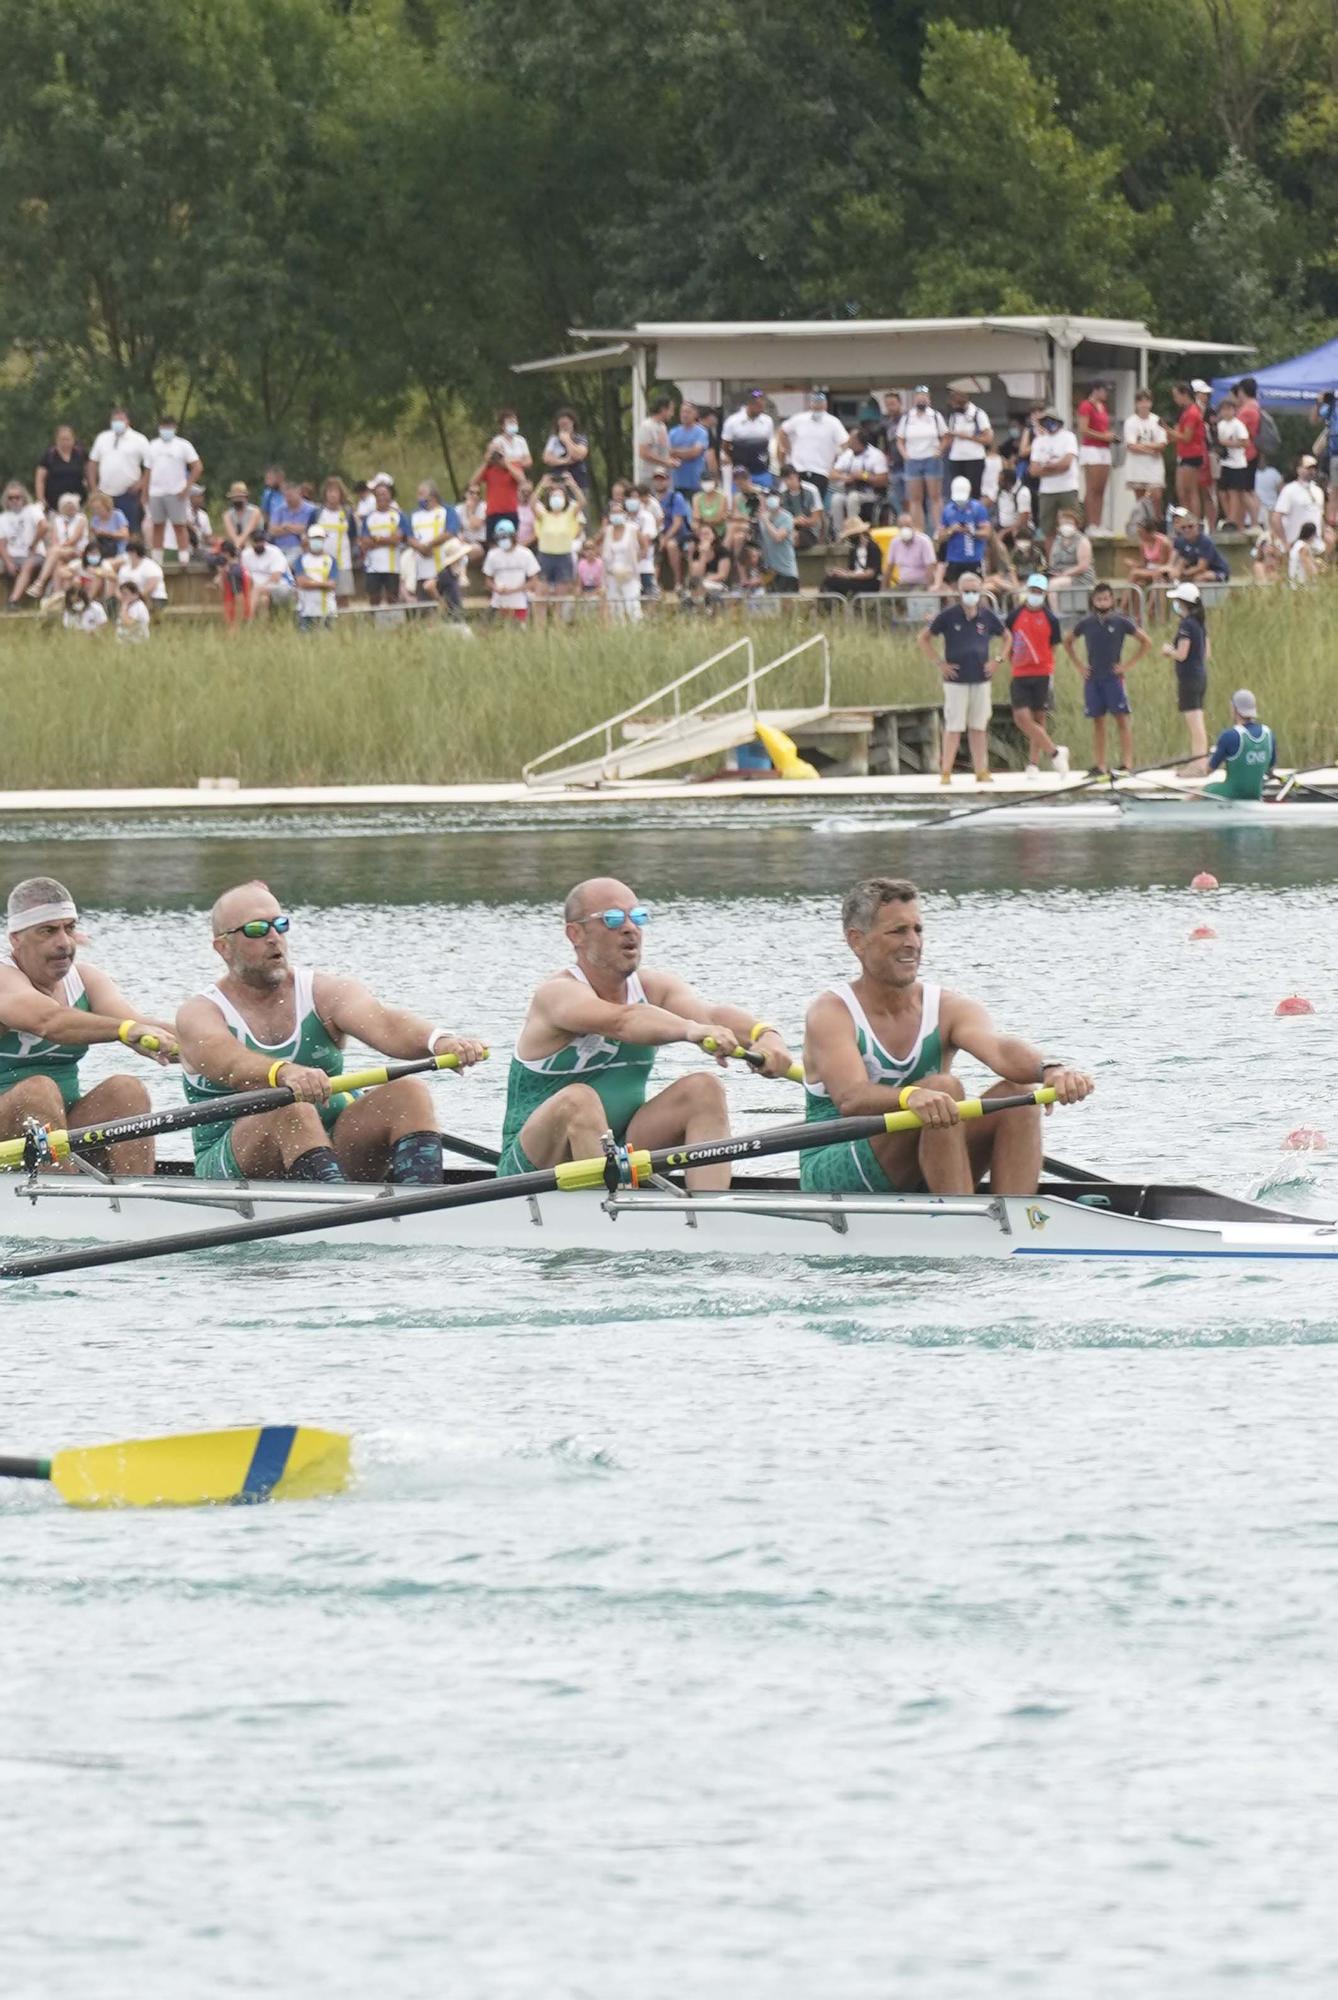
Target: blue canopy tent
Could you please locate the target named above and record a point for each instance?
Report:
(1291, 385)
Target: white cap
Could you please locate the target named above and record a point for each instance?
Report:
(1200, 387)
(1184, 593)
(960, 490)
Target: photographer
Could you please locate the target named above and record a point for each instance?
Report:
(499, 476)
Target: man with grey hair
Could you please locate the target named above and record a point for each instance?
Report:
(886, 1041)
(265, 1022)
(52, 1011)
(583, 1059)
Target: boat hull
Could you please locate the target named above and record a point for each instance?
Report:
(762, 1220)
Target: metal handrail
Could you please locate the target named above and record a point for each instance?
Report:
(607, 727)
(755, 674)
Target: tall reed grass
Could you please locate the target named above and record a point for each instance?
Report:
(415, 705)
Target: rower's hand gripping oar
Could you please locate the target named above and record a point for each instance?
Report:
(37, 1148)
(570, 1177)
(232, 1467)
(755, 1060)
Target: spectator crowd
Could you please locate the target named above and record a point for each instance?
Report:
(909, 498)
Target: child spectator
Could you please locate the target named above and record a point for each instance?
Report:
(621, 552)
(132, 624)
(509, 568)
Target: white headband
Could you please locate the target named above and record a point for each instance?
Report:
(45, 913)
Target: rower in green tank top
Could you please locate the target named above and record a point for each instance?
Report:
(583, 1060)
(267, 1022)
(1243, 755)
(52, 1011)
(886, 1041)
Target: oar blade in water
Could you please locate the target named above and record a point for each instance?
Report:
(211, 1468)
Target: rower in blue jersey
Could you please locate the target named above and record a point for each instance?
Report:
(887, 1041)
(52, 1011)
(266, 1022)
(1244, 754)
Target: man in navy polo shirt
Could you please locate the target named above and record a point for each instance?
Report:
(1197, 556)
(1103, 631)
(968, 630)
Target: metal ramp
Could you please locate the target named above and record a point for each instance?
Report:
(650, 742)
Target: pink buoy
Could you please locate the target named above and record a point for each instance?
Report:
(1305, 1139)
(1202, 931)
(1203, 880)
(1295, 1003)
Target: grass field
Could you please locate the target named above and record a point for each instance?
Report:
(414, 705)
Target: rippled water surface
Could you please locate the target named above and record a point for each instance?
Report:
(706, 1629)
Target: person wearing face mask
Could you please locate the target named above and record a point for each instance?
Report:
(116, 465)
(1035, 634)
(972, 436)
(1054, 467)
(912, 559)
(675, 526)
(801, 499)
(968, 630)
(812, 441)
(316, 577)
(776, 538)
(709, 507)
(1071, 561)
(963, 535)
(920, 435)
(509, 568)
(620, 551)
(859, 481)
(82, 613)
(559, 521)
(568, 450)
(171, 462)
(499, 476)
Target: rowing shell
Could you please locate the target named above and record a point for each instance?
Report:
(1125, 810)
(758, 1218)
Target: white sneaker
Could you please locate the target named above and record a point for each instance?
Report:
(1033, 774)
(1062, 759)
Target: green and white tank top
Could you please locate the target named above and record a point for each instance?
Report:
(310, 1044)
(23, 1054)
(1246, 770)
(619, 1071)
(925, 1058)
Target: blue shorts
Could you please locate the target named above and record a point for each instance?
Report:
(555, 569)
(1105, 694)
(924, 468)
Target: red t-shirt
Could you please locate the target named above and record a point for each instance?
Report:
(1034, 631)
(1094, 417)
(499, 489)
(1193, 432)
(1249, 414)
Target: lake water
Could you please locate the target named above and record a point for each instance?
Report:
(705, 1630)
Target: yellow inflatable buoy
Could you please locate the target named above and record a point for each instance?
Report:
(783, 753)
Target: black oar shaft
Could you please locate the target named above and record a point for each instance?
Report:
(550, 1180)
(24, 1468)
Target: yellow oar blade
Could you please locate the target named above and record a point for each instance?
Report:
(211, 1468)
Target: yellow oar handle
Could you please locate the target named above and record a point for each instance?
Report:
(367, 1079)
(754, 1060)
(969, 1107)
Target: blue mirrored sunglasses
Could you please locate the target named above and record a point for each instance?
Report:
(613, 920)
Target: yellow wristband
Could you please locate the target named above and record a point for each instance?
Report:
(274, 1069)
(762, 1028)
(905, 1094)
(123, 1032)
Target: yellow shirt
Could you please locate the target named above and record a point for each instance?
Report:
(556, 532)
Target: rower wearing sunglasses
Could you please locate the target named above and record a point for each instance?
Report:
(583, 1060)
(266, 1022)
(52, 1011)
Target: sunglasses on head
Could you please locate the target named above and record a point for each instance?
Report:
(613, 920)
(259, 927)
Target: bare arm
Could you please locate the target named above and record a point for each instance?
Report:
(353, 1009)
(565, 1007)
(968, 1027)
(208, 1050)
(832, 1058)
(29, 1012)
(770, 1044)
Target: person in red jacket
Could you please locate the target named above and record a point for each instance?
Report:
(1035, 634)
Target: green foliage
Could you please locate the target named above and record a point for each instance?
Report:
(301, 221)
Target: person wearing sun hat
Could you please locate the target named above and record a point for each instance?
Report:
(1245, 753)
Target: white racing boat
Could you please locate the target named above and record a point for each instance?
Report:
(1140, 812)
(761, 1217)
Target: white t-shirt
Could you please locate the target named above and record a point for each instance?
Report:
(148, 575)
(621, 552)
(120, 461)
(989, 478)
(334, 520)
(1046, 448)
(1233, 438)
(22, 529)
(428, 524)
(1143, 467)
(1299, 562)
(1300, 500)
(321, 574)
(964, 428)
(383, 558)
(266, 566)
(510, 568)
(169, 461)
(133, 623)
(861, 466)
(921, 433)
(69, 531)
(91, 619)
(741, 429)
(510, 447)
(813, 439)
